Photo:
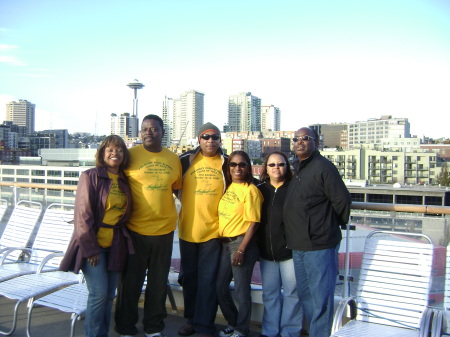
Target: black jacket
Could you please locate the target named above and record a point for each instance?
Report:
(271, 234)
(317, 203)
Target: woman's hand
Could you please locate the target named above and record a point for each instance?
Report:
(238, 258)
(93, 260)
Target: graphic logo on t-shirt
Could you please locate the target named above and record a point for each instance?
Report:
(157, 185)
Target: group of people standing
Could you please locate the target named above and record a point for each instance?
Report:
(125, 218)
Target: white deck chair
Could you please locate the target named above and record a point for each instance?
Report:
(26, 287)
(54, 234)
(393, 288)
(19, 229)
(72, 299)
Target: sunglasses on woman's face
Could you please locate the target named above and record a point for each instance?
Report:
(277, 165)
(241, 165)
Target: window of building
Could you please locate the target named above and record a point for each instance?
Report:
(70, 182)
(71, 174)
(409, 199)
(381, 198)
(40, 173)
(53, 181)
(23, 180)
(429, 200)
(8, 171)
(38, 181)
(357, 197)
(53, 173)
(23, 172)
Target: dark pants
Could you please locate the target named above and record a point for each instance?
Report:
(199, 263)
(152, 258)
(239, 319)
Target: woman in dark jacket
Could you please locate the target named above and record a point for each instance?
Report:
(283, 314)
(101, 243)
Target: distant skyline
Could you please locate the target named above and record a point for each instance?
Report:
(320, 61)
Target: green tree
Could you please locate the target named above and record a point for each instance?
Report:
(443, 178)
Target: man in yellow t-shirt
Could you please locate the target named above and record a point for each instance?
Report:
(203, 186)
(154, 173)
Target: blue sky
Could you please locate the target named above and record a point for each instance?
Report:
(319, 61)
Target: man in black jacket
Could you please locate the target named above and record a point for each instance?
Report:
(317, 203)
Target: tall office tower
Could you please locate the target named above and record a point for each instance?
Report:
(168, 118)
(21, 113)
(124, 125)
(244, 113)
(188, 114)
(374, 130)
(270, 118)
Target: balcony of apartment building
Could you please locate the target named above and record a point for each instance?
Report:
(369, 212)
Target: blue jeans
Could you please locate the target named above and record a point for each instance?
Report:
(283, 314)
(316, 273)
(199, 264)
(239, 319)
(101, 284)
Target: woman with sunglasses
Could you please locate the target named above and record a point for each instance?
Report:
(282, 309)
(239, 216)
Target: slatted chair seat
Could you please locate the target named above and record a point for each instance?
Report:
(19, 228)
(393, 288)
(72, 299)
(26, 287)
(52, 240)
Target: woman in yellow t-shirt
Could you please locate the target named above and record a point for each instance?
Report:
(239, 216)
(101, 242)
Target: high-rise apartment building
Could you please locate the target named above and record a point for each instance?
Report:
(374, 130)
(270, 118)
(244, 113)
(124, 125)
(167, 117)
(184, 116)
(21, 113)
(330, 134)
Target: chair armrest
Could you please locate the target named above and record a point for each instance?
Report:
(437, 323)
(337, 321)
(46, 259)
(7, 251)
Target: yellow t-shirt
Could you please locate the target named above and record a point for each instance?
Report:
(202, 190)
(239, 206)
(152, 177)
(115, 206)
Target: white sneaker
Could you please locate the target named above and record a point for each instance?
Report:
(156, 334)
(228, 331)
(236, 334)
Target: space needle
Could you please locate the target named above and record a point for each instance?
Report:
(135, 86)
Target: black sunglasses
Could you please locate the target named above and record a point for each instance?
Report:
(241, 165)
(277, 165)
(304, 138)
(206, 137)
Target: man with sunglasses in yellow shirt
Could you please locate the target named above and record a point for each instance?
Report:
(198, 229)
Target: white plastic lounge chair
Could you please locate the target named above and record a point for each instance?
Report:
(54, 234)
(19, 229)
(393, 288)
(26, 287)
(72, 299)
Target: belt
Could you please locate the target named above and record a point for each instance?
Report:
(229, 239)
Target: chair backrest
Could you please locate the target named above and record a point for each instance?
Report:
(3, 207)
(54, 233)
(20, 226)
(395, 278)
